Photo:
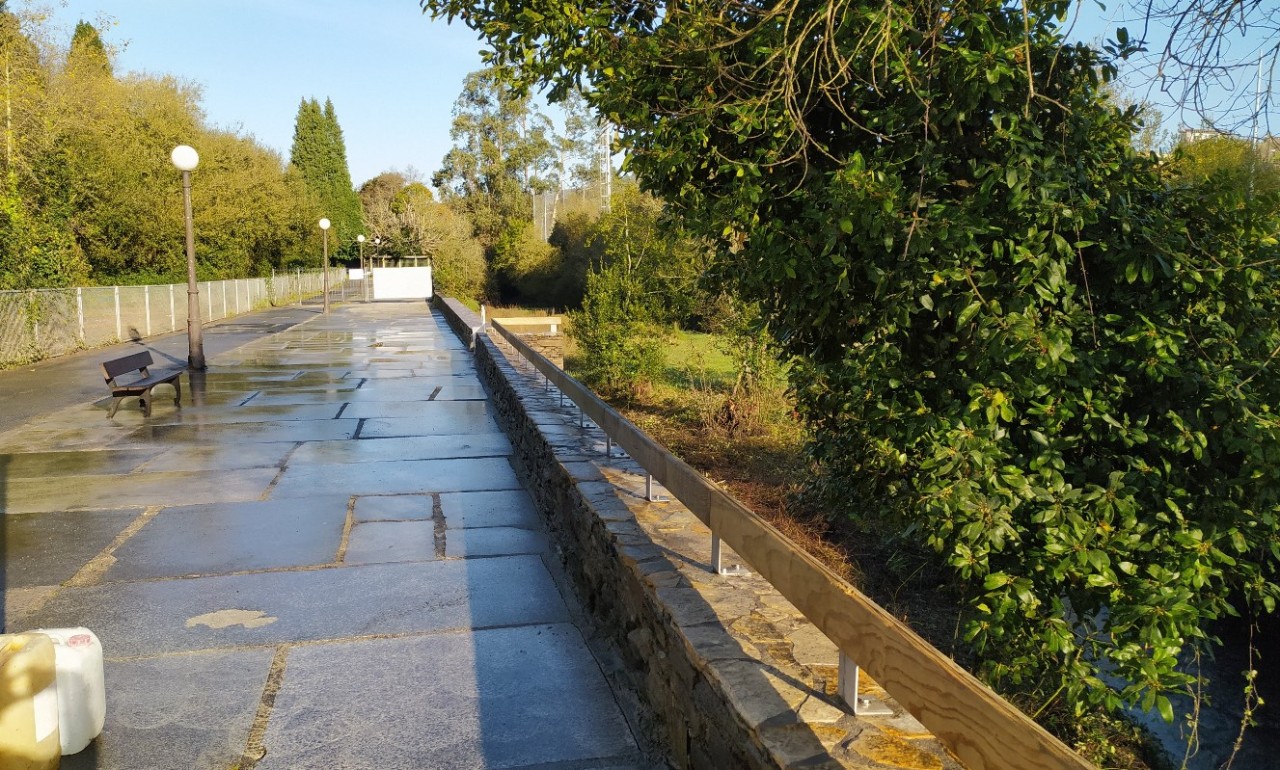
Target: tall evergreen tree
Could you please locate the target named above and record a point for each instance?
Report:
(320, 156)
(87, 50)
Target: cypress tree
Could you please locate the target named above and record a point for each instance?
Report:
(87, 53)
(320, 156)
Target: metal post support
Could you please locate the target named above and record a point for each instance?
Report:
(173, 317)
(608, 445)
(80, 312)
(146, 304)
(648, 490)
(847, 689)
(717, 559)
(116, 293)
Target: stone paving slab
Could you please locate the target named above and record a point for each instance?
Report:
(197, 706)
(418, 507)
(396, 477)
(45, 549)
(219, 457)
(139, 489)
(251, 412)
(468, 421)
(47, 465)
(210, 539)
(502, 698)
(458, 416)
(490, 509)
(369, 450)
(236, 433)
(382, 542)
(156, 617)
(490, 541)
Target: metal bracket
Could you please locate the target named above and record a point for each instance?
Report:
(717, 560)
(648, 490)
(847, 687)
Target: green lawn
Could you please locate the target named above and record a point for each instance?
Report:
(694, 360)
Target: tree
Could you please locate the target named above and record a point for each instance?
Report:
(87, 51)
(320, 156)
(376, 197)
(502, 152)
(1012, 339)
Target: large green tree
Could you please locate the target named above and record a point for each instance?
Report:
(503, 152)
(319, 154)
(1013, 338)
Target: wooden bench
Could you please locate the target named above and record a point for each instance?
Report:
(138, 362)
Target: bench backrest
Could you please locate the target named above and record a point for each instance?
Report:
(132, 363)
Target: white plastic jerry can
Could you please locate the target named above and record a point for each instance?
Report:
(28, 703)
(82, 693)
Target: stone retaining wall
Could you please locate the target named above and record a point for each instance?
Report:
(731, 673)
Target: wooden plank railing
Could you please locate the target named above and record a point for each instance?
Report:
(984, 731)
(552, 321)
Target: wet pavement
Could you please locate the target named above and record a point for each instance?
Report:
(322, 560)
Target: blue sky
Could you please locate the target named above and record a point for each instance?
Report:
(392, 73)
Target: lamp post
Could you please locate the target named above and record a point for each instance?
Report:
(364, 277)
(186, 159)
(324, 227)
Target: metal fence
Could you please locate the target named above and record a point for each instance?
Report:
(44, 323)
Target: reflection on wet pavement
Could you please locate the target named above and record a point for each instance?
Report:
(331, 503)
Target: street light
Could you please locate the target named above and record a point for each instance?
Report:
(364, 277)
(186, 159)
(324, 227)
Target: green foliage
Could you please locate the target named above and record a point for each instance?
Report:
(88, 193)
(1011, 336)
(502, 152)
(619, 348)
(320, 156)
(87, 53)
(1233, 166)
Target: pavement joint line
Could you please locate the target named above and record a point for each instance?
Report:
(441, 526)
(94, 570)
(435, 393)
(345, 404)
(255, 394)
(271, 485)
(255, 747)
(359, 429)
(347, 526)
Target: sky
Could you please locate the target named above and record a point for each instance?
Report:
(392, 73)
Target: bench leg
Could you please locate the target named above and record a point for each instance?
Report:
(114, 406)
(177, 392)
(145, 401)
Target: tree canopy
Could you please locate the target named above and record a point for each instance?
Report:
(1014, 338)
(87, 192)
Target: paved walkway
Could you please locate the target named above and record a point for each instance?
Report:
(323, 560)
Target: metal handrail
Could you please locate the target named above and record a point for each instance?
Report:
(983, 730)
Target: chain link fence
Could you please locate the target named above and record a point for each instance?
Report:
(44, 323)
